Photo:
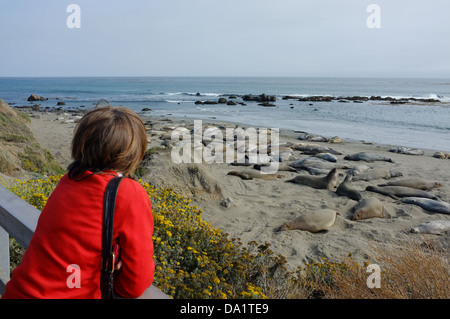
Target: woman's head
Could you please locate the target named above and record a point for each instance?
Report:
(108, 138)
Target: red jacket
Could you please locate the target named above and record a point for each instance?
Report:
(69, 232)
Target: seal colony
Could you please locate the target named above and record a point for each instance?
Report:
(260, 207)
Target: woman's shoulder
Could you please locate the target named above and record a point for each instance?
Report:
(130, 185)
(133, 198)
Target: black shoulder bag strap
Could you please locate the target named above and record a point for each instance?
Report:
(109, 203)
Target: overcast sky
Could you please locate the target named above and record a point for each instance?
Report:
(225, 38)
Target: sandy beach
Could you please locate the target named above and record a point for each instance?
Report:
(259, 207)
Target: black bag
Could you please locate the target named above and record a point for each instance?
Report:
(109, 203)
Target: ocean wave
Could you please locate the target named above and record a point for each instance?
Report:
(191, 93)
(440, 97)
(176, 101)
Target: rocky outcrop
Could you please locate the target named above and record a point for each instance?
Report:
(356, 99)
(34, 97)
(267, 104)
(259, 98)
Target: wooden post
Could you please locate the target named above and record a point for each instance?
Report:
(18, 219)
(4, 259)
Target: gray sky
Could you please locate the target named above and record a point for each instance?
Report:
(225, 38)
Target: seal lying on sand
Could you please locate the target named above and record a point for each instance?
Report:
(316, 171)
(249, 175)
(429, 204)
(435, 227)
(327, 157)
(369, 208)
(367, 157)
(314, 162)
(399, 191)
(312, 221)
(281, 167)
(416, 183)
(325, 182)
(345, 189)
(381, 173)
(246, 162)
(312, 149)
(357, 170)
(406, 150)
(441, 155)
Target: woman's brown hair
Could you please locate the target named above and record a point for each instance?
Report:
(108, 138)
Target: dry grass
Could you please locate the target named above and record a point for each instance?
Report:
(411, 272)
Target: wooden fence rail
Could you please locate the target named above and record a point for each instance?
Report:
(18, 219)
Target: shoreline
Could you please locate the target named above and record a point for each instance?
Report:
(312, 112)
(289, 133)
(259, 207)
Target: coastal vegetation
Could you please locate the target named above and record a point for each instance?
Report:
(19, 150)
(195, 260)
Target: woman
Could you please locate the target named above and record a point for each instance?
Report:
(63, 259)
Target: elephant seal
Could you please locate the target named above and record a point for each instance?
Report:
(327, 156)
(313, 149)
(406, 150)
(399, 191)
(335, 140)
(316, 171)
(281, 167)
(357, 170)
(441, 155)
(416, 183)
(311, 137)
(246, 162)
(369, 208)
(435, 227)
(248, 175)
(313, 222)
(368, 157)
(344, 189)
(429, 204)
(377, 174)
(325, 182)
(314, 162)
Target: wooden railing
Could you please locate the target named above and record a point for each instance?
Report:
(18, 219)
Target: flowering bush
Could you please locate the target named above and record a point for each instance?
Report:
(193, 259)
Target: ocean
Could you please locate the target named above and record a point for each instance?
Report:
(412, 124)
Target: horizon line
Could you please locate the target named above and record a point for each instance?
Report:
(227, 76)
